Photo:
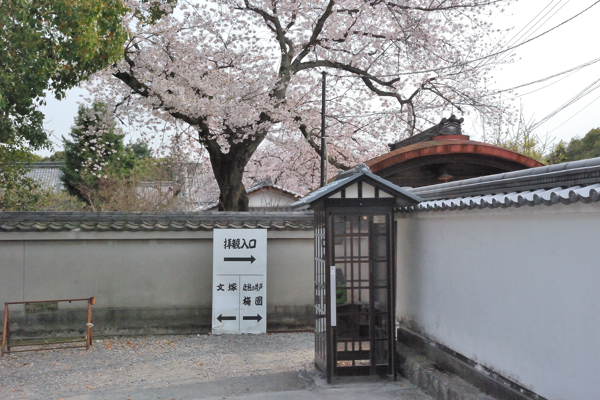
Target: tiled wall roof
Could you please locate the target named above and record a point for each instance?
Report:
(145, 222)
(567, 183)
(548, 197)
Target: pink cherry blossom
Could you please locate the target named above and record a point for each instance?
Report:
(238, 82)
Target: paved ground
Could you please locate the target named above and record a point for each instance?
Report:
(251, 367)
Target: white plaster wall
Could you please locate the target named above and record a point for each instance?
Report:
(516, 290)
(269, 198)
(142, 269)
(12, 269)
(290, 271)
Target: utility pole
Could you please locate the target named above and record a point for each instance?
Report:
(323, 136)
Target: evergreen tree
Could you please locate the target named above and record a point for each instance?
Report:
(94, 153)
(141, 150)
(57, 156)
(576, 149)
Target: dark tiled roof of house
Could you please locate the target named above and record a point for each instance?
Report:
(47, 174)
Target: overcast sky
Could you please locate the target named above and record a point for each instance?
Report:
(566, 47)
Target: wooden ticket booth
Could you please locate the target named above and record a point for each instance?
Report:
(355, 280)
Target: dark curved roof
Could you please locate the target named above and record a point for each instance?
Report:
(442, 153)
(448, 146)
(47, 174)
(421, 163)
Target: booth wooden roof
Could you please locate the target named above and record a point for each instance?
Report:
(359, 173)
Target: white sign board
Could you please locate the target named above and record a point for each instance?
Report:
(239, 281)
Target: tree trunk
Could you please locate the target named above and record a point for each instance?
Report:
(229, 170)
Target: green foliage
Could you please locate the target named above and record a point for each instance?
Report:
(526, 143)
(135, 193)
(152, 10)
(47, 200)
(558, 154)
(57, 156)
(576, 149)
(521, 139)
(140, 150)
(51, 45)
(151, 169)
(17, 191)
(147, 187)
(59, 201)
(109, 176)
(94, 152)
(21, 193)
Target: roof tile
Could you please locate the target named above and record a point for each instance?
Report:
(151, 222)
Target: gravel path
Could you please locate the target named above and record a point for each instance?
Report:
(160, 366)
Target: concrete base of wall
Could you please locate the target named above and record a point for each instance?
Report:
(143, 321)
(433, 379)
(448, 375)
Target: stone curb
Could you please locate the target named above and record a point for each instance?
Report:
(433, 379)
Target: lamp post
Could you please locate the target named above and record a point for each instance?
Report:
(323, 136)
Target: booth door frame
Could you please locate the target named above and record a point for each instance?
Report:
(322, 308)
(331, 359)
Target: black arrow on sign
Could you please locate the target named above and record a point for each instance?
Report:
(251, 259)
(221, 318)
(257, 318)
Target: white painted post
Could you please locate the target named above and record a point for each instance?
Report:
(333, 296)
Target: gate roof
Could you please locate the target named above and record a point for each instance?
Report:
(360, 173)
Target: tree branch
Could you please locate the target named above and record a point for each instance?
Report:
(286, 45)
(317, 148)
(439, 7)
(344, 67)
(314, 36)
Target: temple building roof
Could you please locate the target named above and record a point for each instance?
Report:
(443, 154)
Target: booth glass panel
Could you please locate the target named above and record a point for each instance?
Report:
(362, 333)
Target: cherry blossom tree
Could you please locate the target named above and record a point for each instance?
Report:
(230, 75)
